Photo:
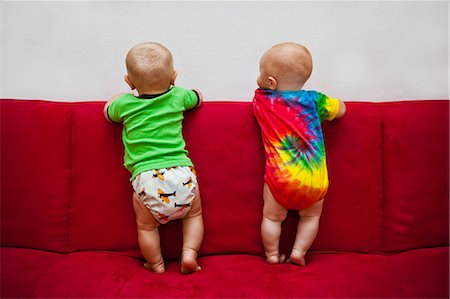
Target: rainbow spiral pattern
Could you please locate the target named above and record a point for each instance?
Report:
(290, 122)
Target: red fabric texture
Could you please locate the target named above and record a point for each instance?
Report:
(98, 176)
(354, 156)
(101, 192)
(342, 275)
(35, 174)
(64, 190)
(230, 170)
(21, 270)
(416, 161)
(355, 190)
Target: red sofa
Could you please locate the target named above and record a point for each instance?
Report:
(68, 226)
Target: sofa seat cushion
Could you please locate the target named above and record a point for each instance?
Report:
(416, 273)
(21, 269)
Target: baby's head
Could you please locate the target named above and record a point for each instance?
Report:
(285, 66)
(150, 68)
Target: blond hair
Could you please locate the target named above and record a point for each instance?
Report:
(149, 64)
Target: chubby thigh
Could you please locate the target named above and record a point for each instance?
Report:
(168, 192)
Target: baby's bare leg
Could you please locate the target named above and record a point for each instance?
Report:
(192, 236)
(148, 236)
(307, 229)
(273, 215)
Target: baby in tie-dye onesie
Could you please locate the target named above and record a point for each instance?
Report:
(296, 172)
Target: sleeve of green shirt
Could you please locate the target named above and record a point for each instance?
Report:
(190, 99)
(113, 111)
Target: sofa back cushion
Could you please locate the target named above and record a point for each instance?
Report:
(35, 174)
(102, 216)
(351, 215)
(416, 175)
(223, 142)
(225, 145)
(64, 187)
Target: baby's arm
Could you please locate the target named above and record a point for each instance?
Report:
(342, 109)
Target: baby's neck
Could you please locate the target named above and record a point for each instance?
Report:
(289, 86)
(152, 91)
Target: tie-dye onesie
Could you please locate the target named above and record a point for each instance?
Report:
(290, 122)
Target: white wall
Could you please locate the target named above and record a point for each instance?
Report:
(363, 51)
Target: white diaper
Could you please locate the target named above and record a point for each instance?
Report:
(167, 192)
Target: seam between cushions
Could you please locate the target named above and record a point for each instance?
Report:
(69, 204)
(383, 191)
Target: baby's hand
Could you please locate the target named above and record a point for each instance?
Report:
(342, 109)
(200, 97)
(105, 109)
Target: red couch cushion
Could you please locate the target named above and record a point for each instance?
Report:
(81, 192)
(99, 179)
(234, 164)
(225, 145)
(64, 189)
(351, 218)
(414, 274)
(35, 174)
(101, 212)
(416, 174)
(21, 269)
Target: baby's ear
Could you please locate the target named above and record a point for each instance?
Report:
(272, 83)
(127, 79)
(174, 76)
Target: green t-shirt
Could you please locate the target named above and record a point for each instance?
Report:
(152, 129)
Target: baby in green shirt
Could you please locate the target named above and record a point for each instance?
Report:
(162, 175)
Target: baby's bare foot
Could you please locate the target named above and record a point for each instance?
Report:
(189, 262)
(297, 257)
(275, 259)
(155, 268)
